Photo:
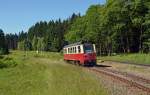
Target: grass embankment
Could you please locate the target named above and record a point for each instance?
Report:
(131, 58)
(46, 74)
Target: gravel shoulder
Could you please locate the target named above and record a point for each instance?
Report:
(115, 87)
(143, 71)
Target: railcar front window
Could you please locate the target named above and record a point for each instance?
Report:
(88, 49)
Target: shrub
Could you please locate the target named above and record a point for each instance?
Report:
(3, 51)
(7, 62)
(1, 57)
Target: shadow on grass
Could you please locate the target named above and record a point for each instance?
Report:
(102, 65)
(3, 66)
(96, 65)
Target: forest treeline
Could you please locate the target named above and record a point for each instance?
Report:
(118, 26)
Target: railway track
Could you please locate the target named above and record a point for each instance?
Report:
(134, 77)
(132, 80)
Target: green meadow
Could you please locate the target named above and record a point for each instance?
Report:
(28, 73)
(132, 58)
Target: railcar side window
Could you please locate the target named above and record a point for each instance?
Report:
(71, 50)
(68, 50)
(75, 50)
(79, 49)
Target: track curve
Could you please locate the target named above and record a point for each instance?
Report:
(132, 80)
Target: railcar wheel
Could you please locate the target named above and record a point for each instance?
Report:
(78, 63)
(75, 62)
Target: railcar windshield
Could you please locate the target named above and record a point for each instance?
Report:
(88, 48)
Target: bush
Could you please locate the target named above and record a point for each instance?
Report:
(7, 62)
(1, 57)
(3, 51)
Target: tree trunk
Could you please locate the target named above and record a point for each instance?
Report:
(128, 44)
(140, 46)
(122, 43)
(100, 52)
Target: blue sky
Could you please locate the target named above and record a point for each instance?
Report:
(17, 15)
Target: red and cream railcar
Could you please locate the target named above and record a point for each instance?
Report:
(81, 53)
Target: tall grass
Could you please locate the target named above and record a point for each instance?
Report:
(46, 74)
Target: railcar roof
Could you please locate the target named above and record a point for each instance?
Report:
(74, 44)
